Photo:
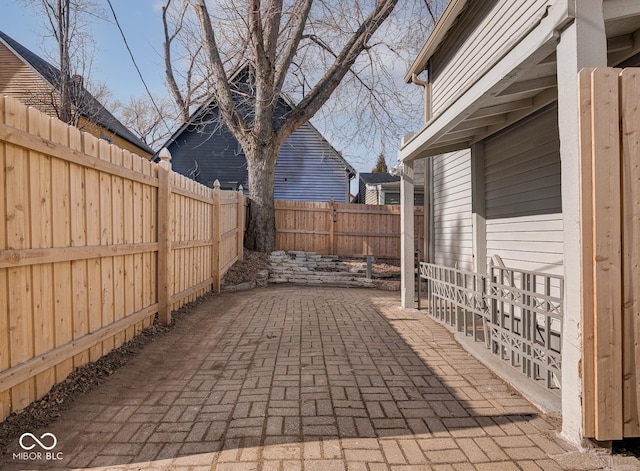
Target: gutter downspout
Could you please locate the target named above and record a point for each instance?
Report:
(427, 96)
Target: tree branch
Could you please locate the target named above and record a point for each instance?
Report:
(168, 65)
(321, 92)
(303, 14)
(222, 91)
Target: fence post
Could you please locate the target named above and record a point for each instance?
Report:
(332, 221)
(240, 209)
(216, 237)
(164, 238)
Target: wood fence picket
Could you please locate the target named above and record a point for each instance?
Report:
(610, 219)
(94, 242)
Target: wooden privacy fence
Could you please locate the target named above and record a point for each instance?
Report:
(610, 224)
(94, 241)
(345, 229)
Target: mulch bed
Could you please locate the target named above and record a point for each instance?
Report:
(247, 270)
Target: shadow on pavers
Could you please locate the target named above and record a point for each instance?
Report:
(282, 367)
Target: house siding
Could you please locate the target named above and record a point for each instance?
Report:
(19, 80)
(213, 150)
(484, 32)
(308, 168)
(99, 131)
(453, 236)
(371, 195)
(522, 194)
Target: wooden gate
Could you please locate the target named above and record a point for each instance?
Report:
(610, 225)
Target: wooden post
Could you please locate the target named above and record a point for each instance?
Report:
(240, 209)
(607, 280)
(583, 43)
(164, 238)
(216, 237)
(332, 222)
(408, 282)
(631, 250)
(586, 259)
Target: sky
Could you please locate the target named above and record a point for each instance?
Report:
(142, 25)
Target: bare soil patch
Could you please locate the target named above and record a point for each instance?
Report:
(386, 269)
(247, 269)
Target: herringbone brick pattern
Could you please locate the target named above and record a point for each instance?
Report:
(313, 379)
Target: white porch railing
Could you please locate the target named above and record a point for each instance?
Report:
(517, 314)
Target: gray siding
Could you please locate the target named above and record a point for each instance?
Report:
(522, 191)
(452, 210)
(309, 169)
(485, 31)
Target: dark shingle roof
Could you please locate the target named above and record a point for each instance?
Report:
(375, 178)
(96, 111)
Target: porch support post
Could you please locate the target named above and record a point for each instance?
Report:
(582, 44)
(428, 212)
(407, 234)
(478, 207)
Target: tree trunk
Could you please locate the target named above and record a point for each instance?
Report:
(261, 163)
(63, 23)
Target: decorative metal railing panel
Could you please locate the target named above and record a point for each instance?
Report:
(516, 313)
(526, 321)
(457, 298)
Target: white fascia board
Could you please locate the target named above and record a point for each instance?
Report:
(440, 30)
(532, 49)
(620, 9)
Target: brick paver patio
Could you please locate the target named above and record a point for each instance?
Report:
(313, 379)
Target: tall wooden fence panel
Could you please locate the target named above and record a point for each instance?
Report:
(82, 240)
(610, 224)
(352, 230)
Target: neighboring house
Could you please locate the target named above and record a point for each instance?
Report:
(34, 81)
(501, 142)
(378, 188)
(384, 188)
(308, 167)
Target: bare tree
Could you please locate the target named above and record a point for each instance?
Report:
(153, 121)
(303, 48)
(67, 23)
(187, 69)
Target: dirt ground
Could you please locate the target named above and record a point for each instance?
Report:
(247, 270)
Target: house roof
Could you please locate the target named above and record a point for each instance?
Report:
(211, 105)
(439, 32)
(515, 81)
(51, 74)
(376, 178)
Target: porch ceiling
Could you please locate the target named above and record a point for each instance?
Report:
(521, 83)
